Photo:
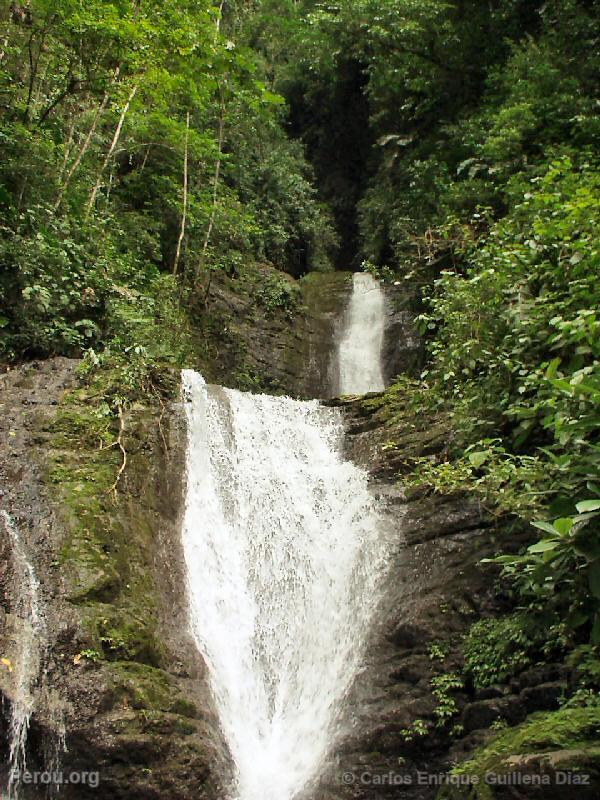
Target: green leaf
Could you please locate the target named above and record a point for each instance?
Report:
(588, 505)
(479, 458)
(272, 99)
(544, 526)
(543, 546)
(563, 525)
(552, 367)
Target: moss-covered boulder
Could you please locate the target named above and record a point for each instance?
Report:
(554, 756)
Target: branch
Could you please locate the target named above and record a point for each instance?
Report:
(428, 55)
(121, 446)
(33, 67)
(32, 73)
(82, 151)
(71, 88)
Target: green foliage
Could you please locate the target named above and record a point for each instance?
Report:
(446, 708)
(90, 655)
(442, 687)
(571, 729)
(497, 649)
(104, 110)
(436, 652)
(586, 660)
(505, 482)
(560, 573)
(417, 730)
(514, 344)
(277, 292)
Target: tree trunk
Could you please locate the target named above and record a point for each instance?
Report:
(185, 195)
(91, 202)
(82, 151)
(87, 141)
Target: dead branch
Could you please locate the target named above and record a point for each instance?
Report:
(121, 445)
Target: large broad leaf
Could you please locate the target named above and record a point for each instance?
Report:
(479, 458)
(502, 560)
(594, 577)
(588, 505)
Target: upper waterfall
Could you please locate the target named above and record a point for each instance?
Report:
(360, 349)
(284, 551)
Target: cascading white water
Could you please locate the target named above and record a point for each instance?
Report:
(26, 664)
(285, 553)
(360, 348)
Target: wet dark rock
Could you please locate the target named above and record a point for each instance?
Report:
(403, 350)
(544, 697)
(481, 714)
(491, 692)
(279, 351)
(542, 673)
(408, 636)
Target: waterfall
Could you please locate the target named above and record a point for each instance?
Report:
(360, 348)
(26, 664)
(285, 554)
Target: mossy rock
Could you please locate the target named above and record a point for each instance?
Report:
(147, 688)
(555, 750)
(123, 633)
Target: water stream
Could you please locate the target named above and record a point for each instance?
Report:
(285, 554)
(360, 348)
(26, 663)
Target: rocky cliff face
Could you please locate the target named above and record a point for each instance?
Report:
(410, 715)
(121, 684)
(292, 350)
(257, 343)
(403, 351)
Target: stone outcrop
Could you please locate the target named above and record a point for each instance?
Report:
(122, 684)
(293, 350)
(278, 350)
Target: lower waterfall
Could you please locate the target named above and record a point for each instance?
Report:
(285, 554)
